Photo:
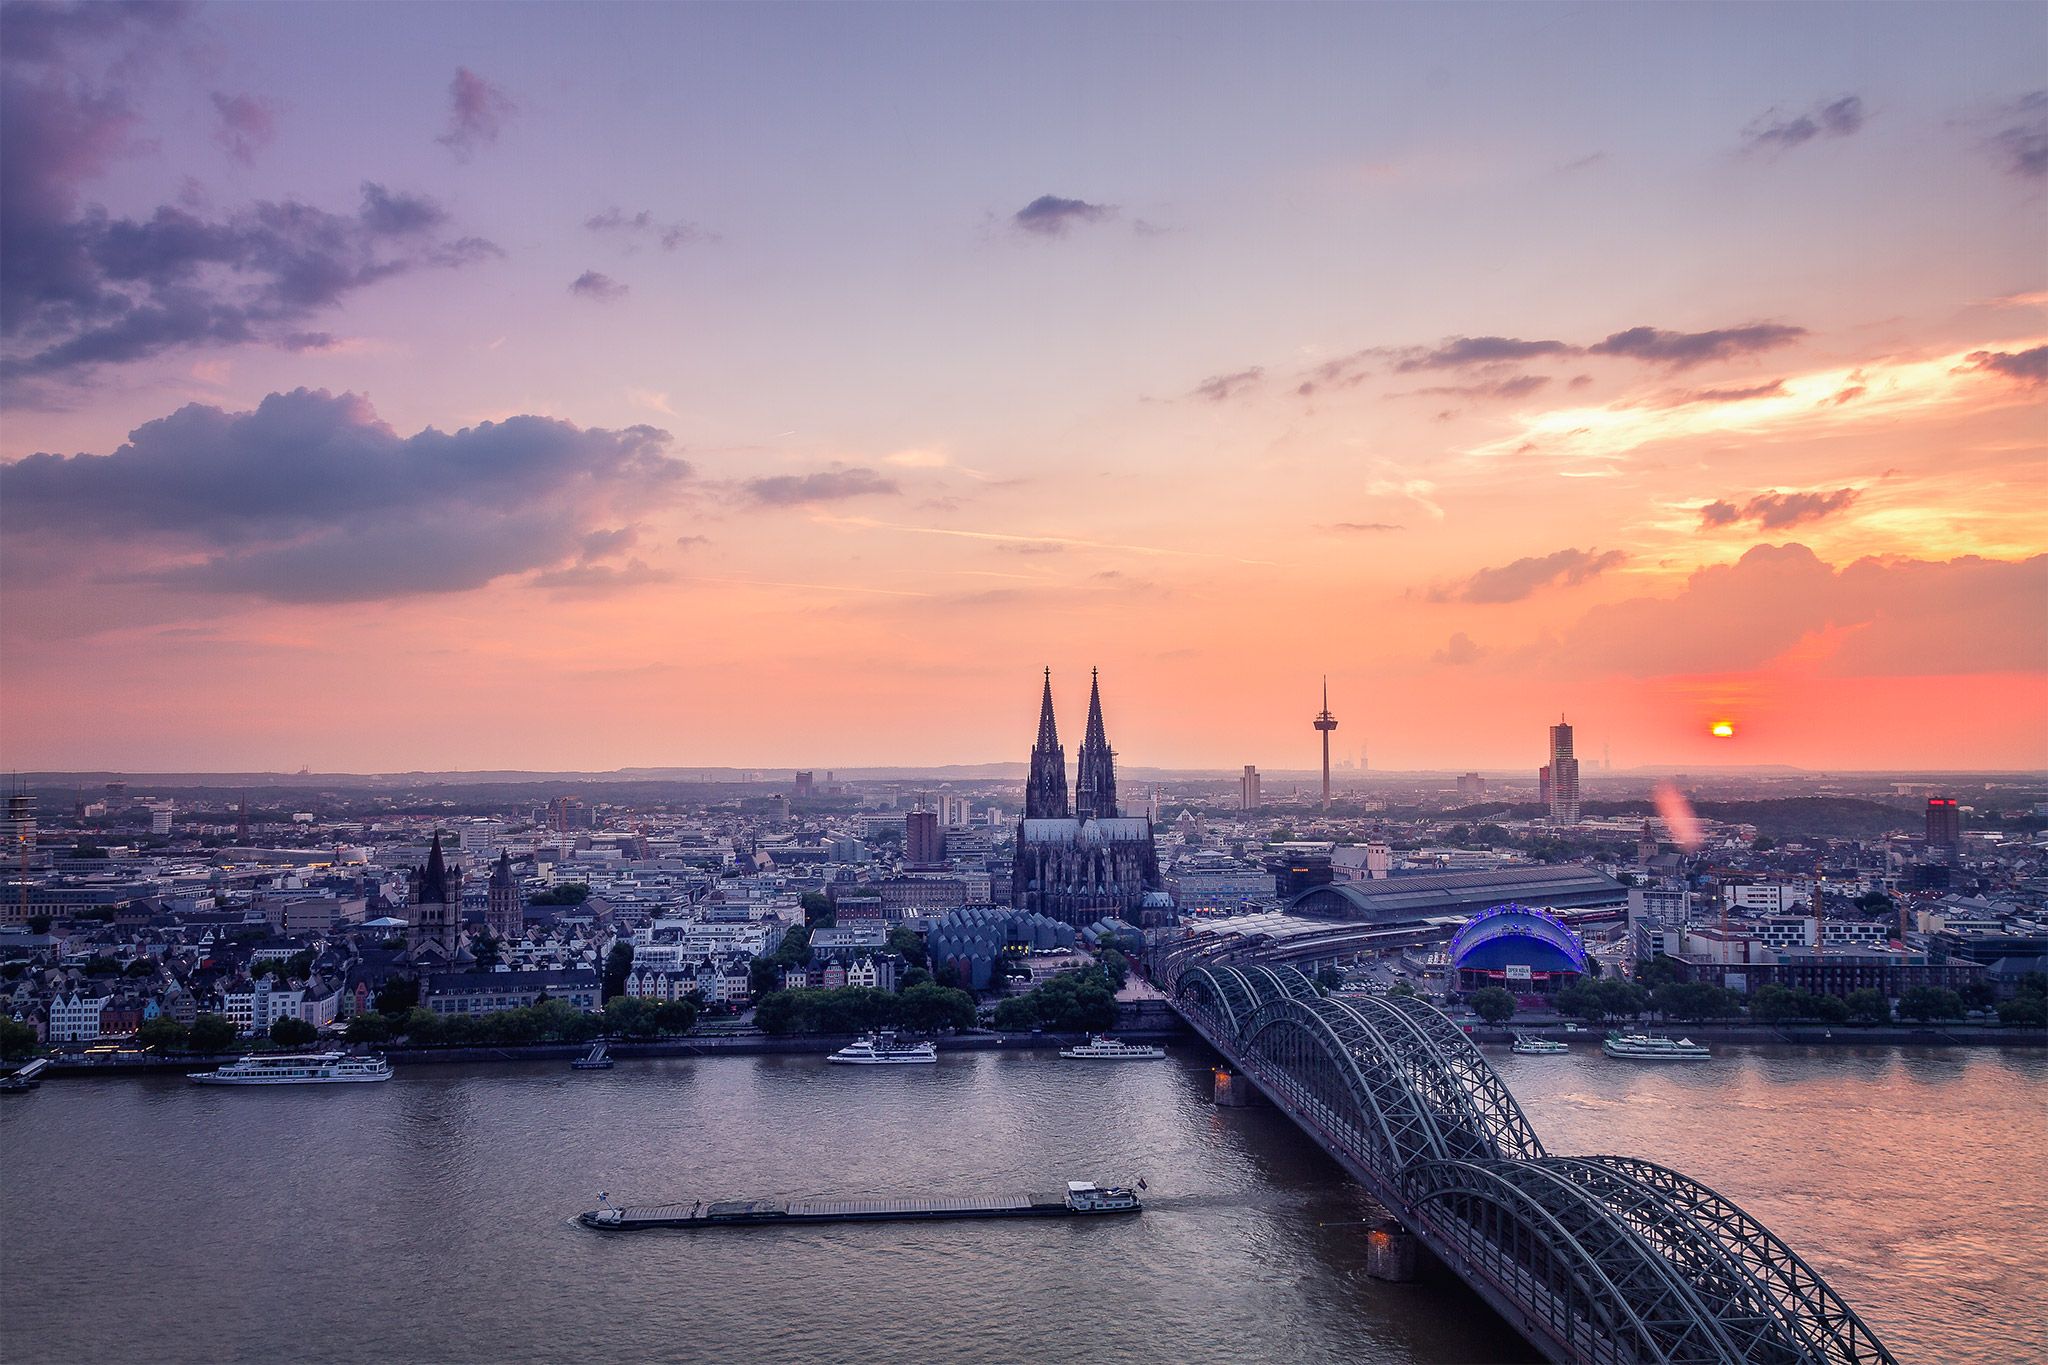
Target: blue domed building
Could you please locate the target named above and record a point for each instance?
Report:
(1517, 947)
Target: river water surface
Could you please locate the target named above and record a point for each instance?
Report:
(427, 1219)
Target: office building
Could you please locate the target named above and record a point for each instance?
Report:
(1564, 776)
(924, 840)
(1944, 822)
(1247, 789)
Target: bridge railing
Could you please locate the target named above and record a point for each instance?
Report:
(1599, 1259)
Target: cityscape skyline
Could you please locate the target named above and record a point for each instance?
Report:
(682, 421)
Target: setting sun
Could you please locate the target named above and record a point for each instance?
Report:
(1723, 730)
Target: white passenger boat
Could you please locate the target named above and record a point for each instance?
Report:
(1101, 1048)
(1645, 1047)
(298, 1068)
(1538, 1047)
(883, 1049)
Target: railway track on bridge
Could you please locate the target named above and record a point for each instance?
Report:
(1607, 1260)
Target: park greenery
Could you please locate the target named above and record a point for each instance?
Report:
(618, 965)
(764, 974)
(924, 1008)
(17, 1040)
(1078, 1001)
(293, 1033)
(1493, 1004)
(562, 893)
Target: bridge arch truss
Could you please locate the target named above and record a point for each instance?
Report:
(1602, 1259)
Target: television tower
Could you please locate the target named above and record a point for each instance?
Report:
(1326, 722)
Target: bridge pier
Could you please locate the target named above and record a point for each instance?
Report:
(1233, 1090)
(1390, 1251)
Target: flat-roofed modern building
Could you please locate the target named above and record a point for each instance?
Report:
(1396, 898)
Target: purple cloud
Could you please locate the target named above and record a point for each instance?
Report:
(477, 111)
(1683, 350)
(593, 285)
(1838, 118)
(644, 224)
(80, 288)
(247, 125)
(1513, 582)
(2028, 368)
(600, 578)
(1739, 394)
(312, 498)
(1458, 651)
(1509, 386)
(1217, 388)
(1775, 511)
(2022, 145)
(1051, 216)
(1462, 351)
(35, 32)
(793, 490)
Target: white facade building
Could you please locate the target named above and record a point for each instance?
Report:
(76, 1018)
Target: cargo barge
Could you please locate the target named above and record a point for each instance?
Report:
(1081, 1199)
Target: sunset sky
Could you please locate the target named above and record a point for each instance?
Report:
(451, 386)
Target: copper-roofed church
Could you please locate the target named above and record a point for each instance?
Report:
(1080, 863)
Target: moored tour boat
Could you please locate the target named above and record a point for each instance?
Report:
(1645, 1047)
(1102, 1048)
(883, 1049)
(597, 1059)
(1538, 1047)
(296, 1068)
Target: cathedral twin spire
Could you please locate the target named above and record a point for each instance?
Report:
(1045, 794)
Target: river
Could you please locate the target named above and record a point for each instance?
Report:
(427, 1219)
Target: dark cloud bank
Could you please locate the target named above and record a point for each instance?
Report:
(81, 288)
(312, 498)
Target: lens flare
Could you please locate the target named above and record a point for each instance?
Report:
(1724, 729)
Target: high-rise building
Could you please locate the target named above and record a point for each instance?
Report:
(806, 785)
(1944, 822)
(924, 840)
(19, 835)
(1248, 788)
(1471, 787)
(1543, 786)
(1564, 776)
(1325, 722)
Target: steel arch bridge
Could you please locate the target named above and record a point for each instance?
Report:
(1595, 1258)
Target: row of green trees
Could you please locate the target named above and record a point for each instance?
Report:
(1078, 1001)
(547, 1021)
(924, 1008)
(1611, 998)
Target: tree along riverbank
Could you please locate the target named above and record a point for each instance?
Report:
(1798, 1035)
(707, 1046)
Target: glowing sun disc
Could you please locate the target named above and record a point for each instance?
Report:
(1724, 730)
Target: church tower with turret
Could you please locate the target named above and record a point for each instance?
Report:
(1095, 780)
(1087, 863)
(1045, 791)
(504, 913)
(435, 912)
